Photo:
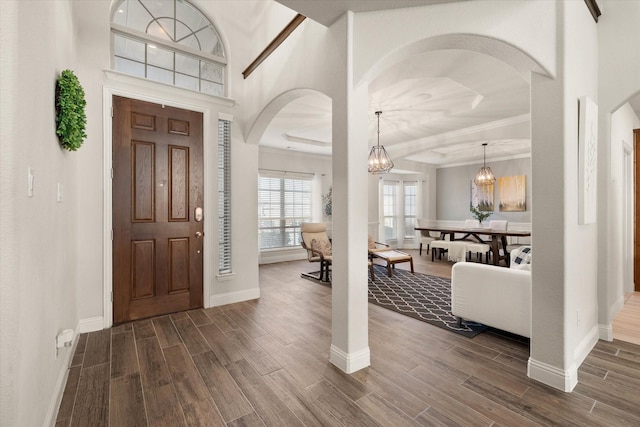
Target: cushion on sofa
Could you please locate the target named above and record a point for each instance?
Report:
(520, 257)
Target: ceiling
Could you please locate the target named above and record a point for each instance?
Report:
(327, 11)
(438, 108)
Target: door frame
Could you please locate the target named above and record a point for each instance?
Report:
(143, 90)
(633, 208)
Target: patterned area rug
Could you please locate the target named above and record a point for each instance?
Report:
(424, 297)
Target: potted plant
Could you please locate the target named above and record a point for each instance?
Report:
(478, 214)
(327, 202)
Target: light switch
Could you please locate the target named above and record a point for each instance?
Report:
(30, 182)
(60, 192)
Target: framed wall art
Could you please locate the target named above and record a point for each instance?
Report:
(512, 193)
(482, 196)
(588, 160)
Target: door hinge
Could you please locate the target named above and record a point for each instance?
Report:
(112, 111)
(111, 296)
(111, 234)
(111, 173)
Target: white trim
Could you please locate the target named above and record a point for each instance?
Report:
(564, 380)
(233, 297)
(90, 324)
(605, 332)
(176, 47)
(157, 87)
(61, 381)
(225, 116)
(144, 90)
(270, 256)
(350, 362)
(616, 306)
(586, 345)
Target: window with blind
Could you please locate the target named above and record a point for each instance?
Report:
(224, 197)
(390, 210)
(283, 205)
(410, 208)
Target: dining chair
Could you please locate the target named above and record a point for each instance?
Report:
(426, 237)
(500, 225)
(438, 247)
(479, 249)
(471, 223)
(515, 242)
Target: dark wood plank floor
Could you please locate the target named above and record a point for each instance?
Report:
(265, 362)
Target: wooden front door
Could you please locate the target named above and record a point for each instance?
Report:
(157, 209)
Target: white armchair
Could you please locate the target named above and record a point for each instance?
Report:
(494, 296)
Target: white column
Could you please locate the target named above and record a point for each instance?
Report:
(350, 333)
(548, 331)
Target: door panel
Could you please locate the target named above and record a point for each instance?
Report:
(157, 185)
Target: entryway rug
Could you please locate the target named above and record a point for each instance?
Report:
(424, 297)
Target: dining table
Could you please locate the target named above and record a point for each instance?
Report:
(493, 237)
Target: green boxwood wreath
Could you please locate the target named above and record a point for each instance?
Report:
(71, 119)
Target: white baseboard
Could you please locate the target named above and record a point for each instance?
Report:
(281, 256)
(605, 332)
(61, 382)
(232, 297)
(552, 376)
(90, 324)
(586, 345)
(615, 308)
(350, 363)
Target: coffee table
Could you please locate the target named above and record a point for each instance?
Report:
(392, 257)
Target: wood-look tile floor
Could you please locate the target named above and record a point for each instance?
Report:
(626, 325)
(265, 362)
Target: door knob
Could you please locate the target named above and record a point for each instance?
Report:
(199, 234)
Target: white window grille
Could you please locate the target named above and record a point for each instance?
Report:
(390, 210)
(283, 205)
(168, 41)
(410, 208)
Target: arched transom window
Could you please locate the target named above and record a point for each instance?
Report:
(169, 41)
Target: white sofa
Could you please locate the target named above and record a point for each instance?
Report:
(494, 296)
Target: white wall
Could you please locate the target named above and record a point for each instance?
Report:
(529, 26)
(454, 190)
(555, 39)
(580, 79)
(623, 121)
(564, 318)
(618, 80)
(38, 235)
(235, 22)
(53, 257)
